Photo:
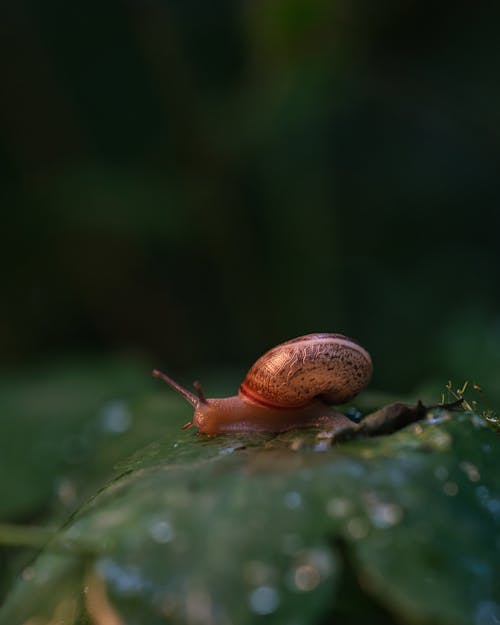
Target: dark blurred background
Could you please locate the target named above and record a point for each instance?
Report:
(196, 181)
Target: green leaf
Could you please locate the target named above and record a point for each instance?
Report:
(226, 530)
(66, 425)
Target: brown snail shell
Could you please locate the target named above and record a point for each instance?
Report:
(330, 367)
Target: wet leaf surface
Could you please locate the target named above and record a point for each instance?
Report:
(65, 428)
(231, 529)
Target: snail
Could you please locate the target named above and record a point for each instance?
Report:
(293, 385)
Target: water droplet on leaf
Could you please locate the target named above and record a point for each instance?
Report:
(161, 531)
(338, 508)
(306, 577)
(358, 528)
(264, 600)
(116, 417)
(293, 500)
(471, 471)
(385, 515)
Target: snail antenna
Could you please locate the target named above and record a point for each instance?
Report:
(200, 393)
(190, 397)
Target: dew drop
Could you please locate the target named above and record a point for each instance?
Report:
(126, 579)
(478, 567)
(482, 493)
(493, 505)
(323, 445)
(306, 577)
(487, 613)
(293, 500)
(161, 532)
(226, 451)
(439, 439)
(385, 515)
(441, 473)
(354, 414)
(312, 566)
(264, 600)
(116, 417)
(471, 471)
(338, 508)
(28, 573)
(66, 491)
(358, 528)
(436, 418)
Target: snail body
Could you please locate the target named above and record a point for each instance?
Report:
(293, 385)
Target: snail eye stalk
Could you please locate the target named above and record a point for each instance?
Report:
(188, 396)
(200, 393)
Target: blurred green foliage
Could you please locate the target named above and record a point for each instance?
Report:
(199, 181)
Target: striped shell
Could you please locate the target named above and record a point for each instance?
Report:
(330, 367)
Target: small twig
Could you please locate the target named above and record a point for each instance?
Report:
(452, 405)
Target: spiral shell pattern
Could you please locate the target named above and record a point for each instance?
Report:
(329, 367)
